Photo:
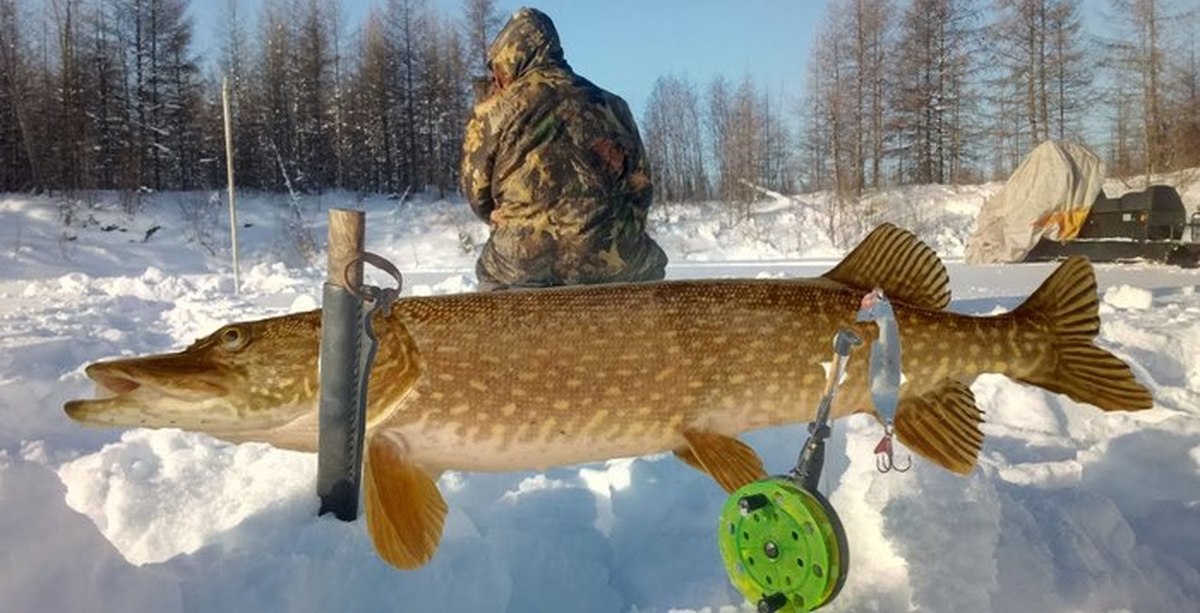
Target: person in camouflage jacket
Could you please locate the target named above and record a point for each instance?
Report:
(556, 167)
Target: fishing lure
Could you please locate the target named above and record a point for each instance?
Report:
(884, 374)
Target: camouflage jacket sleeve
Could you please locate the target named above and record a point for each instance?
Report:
(640, 185)
(479, 159)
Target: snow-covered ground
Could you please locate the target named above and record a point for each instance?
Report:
(1071, 509)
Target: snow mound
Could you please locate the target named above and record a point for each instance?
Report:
(1128, 297)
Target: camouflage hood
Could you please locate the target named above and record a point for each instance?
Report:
(528, 41)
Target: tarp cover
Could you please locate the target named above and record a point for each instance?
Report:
(1049, 196)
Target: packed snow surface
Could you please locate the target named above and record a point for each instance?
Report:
(1070, 509)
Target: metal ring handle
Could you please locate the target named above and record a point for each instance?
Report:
(378, 262)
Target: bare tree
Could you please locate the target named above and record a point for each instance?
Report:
(1070, 72)
(831, 101)
(311, 91)
(70, 130)
(744, 144)
(720, 136)
(19, 168)
(1184, 139)
(814, 157)
(774, 156)
(274, 110)
(934, 103)
(404, 17)
(1039, 57)
(848, 77)
(1138, 54)
(374, 91)
(674, 141)
(481, 22)
(338, 95)
(442, 102)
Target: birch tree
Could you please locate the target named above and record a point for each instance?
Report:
(674, 141)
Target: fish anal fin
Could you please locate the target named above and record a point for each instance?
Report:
(730, 462)
(896, 261)
(942, 425)
(405, 510)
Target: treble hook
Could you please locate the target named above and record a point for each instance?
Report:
(885, 459)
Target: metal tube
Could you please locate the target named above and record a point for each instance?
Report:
(343, 383)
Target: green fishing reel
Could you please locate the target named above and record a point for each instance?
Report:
(783, 546)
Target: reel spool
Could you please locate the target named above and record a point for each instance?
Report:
(783, 546)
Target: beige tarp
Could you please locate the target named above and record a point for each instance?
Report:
(1049, 195)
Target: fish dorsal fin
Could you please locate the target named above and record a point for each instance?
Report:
(730, 462)
(405, 511)
(894, 260)
(942, 425)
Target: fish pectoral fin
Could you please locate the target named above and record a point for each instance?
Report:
(896, 261)
(405, 510)
(727, 460)
(687, 457)
(942, 425)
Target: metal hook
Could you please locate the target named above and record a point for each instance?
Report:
(885, 458)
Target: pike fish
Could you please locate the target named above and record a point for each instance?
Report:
(529, 379)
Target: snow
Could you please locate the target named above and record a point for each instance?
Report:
(1128, 297)
(1071, 509)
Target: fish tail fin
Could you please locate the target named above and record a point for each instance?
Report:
(1067, 302)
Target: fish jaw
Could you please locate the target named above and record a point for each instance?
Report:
(167, 391)
(246, 377)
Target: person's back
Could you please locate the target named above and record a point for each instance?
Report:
(556, 166)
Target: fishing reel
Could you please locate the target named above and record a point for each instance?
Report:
(783, 544)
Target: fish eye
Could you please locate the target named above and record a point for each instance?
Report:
(232, 338)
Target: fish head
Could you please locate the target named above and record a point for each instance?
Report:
(245, 376)
(874, 306)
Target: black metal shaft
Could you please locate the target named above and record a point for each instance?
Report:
(811, 462)
(342, 403)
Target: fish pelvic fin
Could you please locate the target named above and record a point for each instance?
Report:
(1068, 306)
(405, 511)
(942, 426)
(896, 261)
(730, 462)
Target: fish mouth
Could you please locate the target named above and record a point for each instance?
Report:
(109, 385)
(131, 394)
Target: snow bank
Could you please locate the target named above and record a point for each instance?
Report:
(1128, 297)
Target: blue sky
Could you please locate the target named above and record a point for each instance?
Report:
(624, 45)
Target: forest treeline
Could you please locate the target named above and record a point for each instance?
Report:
(112, 94)
(941, 91)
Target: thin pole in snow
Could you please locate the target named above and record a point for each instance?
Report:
(237, 275)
